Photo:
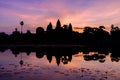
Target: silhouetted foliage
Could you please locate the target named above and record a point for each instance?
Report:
(115, 35)
(4, 38)
(28, 32)
(96, 36)
(91, 36)
(21, 23)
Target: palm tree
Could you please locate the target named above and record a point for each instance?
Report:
(21, 23)
(102, 27)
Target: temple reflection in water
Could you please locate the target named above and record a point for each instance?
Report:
(64, 54)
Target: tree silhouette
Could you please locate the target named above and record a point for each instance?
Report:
(88, 30)
(16, 32)
(113, 28)
(21, 23)
(28, 32)
(101, 27)
(115, 35)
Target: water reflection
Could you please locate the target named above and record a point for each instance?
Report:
(38, 63)
(64, 54)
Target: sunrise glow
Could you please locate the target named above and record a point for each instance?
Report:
(36, 13)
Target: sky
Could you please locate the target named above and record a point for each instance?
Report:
(38, 13)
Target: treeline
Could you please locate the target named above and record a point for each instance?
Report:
(97, 36)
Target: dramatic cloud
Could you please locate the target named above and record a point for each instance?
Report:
(40, 12)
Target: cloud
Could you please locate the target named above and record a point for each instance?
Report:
(40, 12)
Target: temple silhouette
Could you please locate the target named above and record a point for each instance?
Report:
(63, 35)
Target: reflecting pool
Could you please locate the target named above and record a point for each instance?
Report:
(59, 64)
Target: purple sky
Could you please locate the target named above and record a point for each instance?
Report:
(37, 13)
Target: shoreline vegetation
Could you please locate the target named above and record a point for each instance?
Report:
(62, 36)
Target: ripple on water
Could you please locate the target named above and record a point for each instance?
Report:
(71, 73)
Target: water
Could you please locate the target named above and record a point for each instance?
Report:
(54, 64)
